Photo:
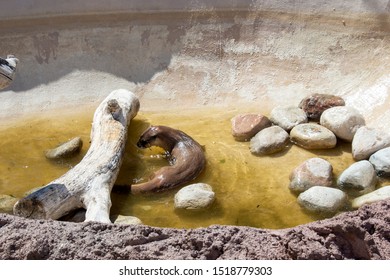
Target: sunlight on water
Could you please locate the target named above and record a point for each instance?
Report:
(250, 190)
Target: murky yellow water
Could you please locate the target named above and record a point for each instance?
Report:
(250, 190)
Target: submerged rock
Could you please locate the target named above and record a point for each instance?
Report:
(126, 220)
(381, 162)
(288, 117)
(343, 121)
(368, 141)
(377, 195)
(65, 150)
(358, 179)
(245, 126)
(313, 136)
(195, 196)
(312, 172)
(7, 203)
(322, 199)
(269, 140)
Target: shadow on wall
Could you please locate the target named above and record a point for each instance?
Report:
(134, 50)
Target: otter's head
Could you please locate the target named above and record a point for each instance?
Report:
(149, 137)
(160, 136)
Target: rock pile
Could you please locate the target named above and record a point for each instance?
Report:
(313, 180)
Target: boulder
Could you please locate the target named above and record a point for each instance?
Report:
(7, 203)
(312, 172)
(245, 126)
(288, 117)
(66, 149)
(343, 121)
(377, 195)
(322, 199)
(313, 136)
(358, 179)
(368, 141)
(381, 162)
(269, 140)
(314, 105)
(195, 196)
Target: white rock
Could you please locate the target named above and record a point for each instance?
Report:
(269, 140)
(288, 117)
(381, 161)
(322, 199)
(368, 141)
(377, 195)
(312, 172)
(343, 121)
(313, 136)
(195, 196)
(358, 179)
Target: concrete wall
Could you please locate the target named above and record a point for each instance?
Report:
(40, 8)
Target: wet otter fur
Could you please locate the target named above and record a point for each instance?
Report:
(186, 157)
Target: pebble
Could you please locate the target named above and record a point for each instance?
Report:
(377, 195)
(288, 117)
(358, 179)
(322, 199)
(368, 141)
(245, 126)
(310, 173)
(313, 136)
(195, 196)
(269, 140)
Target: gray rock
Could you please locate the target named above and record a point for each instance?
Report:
(314, 105)
(288, 117)
(377, 195)
(322, 199)
(195, 196)
(381, 161)
(7, 203)
(343, 121)
(358, 179)
(269, 140)
(126, 220)
(245, 126)
(368, 141)
(312, 172)
(65, 150)
(313, 136)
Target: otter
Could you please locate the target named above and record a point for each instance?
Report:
(186, 158)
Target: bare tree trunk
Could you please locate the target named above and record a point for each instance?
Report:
(88, 185)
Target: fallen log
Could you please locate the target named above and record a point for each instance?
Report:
(88, 185)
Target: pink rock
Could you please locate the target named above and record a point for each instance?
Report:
(317, 103)
(245, 126)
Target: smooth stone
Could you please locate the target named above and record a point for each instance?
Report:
(314, 105)
(358, 179)
(368, 141)
(7, 203)
(381, 161)
(343, 121)
(245, 126)
(65, 150)
(288, 117)
(322, 199)
(377, 195)
(195, 196)
(310, 173)
(126, 220)
(313, 136)
(269, 140)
